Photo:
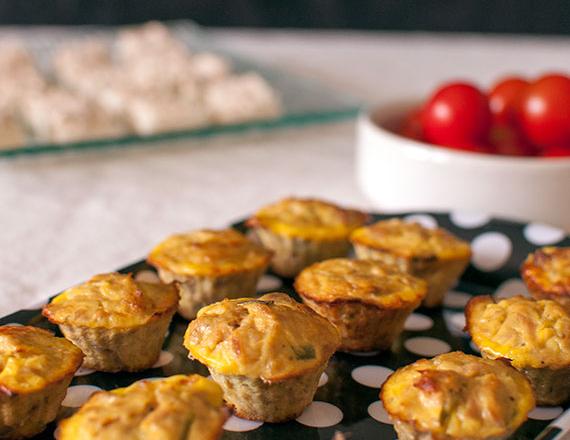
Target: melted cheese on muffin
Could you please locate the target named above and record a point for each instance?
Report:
(459, 396)
(111, 301)
(530, 333)
(411, 240)
(272, 337)
(367, 281)
(548, 270)
(309, 219)
(208, 252)
(178, 407)
(32, 358)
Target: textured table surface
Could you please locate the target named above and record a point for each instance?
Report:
(66, 217)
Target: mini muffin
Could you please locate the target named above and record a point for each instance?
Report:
(546, 273)
(301, 232)
(177, 408)
(37, 368)
(267, 354)
(435, 255)
(534, 336)
(456, 396)
(366, 300)
(208, 266)
(119, 323)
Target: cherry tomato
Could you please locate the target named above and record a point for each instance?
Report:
(504, 99)
(545, 111)
(412, 125)
(458, 113)
(508, 141)
(556, 151)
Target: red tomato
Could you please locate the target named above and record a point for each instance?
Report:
(544, 114)
(504, 99)
(412, 125)
(457, 114)
(508, 141)
(556, 151)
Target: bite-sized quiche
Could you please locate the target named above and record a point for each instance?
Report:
(546, 273)
(534, 336)
(119, 323)
(303, 231)
(367, 300)
(174, 408)
(266, 353)
(209, 265)
(456, 396)
(435, 255)
(37, 368)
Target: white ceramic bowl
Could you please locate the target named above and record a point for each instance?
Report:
(399, 174)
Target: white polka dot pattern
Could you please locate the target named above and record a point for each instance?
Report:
(320, 415)
(84, 371)
(364, 353)
(455, 299)
(427, 221)
(491, 250)
(77, 395)
(541, 234)
(426, 346)
(456, 323)
(268, 282)
(510, 288)
(147, 276)
(237, 424)
(377, 412)
(372, 376)
(164, 359)
(469, 220)
(545, 412)
(417, 322)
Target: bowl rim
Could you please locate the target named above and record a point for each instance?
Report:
(368, 118)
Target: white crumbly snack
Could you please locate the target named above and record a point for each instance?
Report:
(159, 74)
(60, 116)
(14, 57)
(155, 114)
(146, 81)
(152, 38)
(72, 63)
(12, 133)
(19, 76)
(207, 66)
(241, 98)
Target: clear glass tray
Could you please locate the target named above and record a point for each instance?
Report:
(304, 101)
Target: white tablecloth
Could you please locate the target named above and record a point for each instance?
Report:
(66, 217)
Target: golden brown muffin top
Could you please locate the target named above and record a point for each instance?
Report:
(530, 333)
(456, 395)
(111, 300)
(548, 270)
(367, 281)
(32, 358)
(208, 252)
(178, 407)
(308, 218)
(411, 240)
(272, 337)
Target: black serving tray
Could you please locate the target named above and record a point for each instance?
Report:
(500, 246)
